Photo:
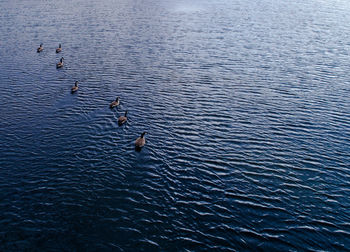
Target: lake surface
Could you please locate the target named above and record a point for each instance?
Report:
(247, 109)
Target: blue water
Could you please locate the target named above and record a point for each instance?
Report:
(247, 109)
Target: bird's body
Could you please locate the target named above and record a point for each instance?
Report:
(75, 87)
(122, 119)
(140, 141)
(59, 49)
(40, 48)
(115, 103)
(60, 64)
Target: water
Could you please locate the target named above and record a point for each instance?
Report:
(247, 108)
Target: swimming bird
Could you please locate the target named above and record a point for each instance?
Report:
(140, 141)
(115, 103)
(60, 64)
(59, 49)
(122, 119)
(75, 87)
(40, 48)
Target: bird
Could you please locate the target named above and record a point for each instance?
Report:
(140, 141)
(60, 64)
(59, 49)
(75, 87)
(122, 119)
(115, 103)
(40, 48)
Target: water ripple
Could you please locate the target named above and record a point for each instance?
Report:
(247, 115)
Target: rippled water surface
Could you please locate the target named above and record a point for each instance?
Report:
(247, 109)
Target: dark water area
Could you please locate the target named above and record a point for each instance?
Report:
(247, 109)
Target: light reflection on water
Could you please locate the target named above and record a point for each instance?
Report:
(245, 104)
